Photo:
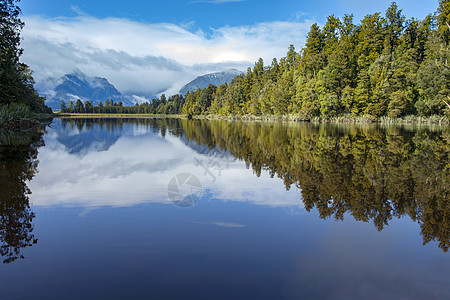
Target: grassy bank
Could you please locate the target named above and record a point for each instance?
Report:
(17, 117)
(435, 120)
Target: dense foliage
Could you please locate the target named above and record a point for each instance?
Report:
(16, 82)
(383, 66)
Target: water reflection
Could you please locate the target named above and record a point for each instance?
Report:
(18, 164)
(138, 167)
(371, 173)
(374, 174)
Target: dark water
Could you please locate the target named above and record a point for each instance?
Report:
(177, 209)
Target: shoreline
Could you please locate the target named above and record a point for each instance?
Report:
(23, 124)
(433, 120)
(17, 118)
(19, 125)
(111, 116)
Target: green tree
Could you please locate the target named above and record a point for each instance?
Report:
(206, 97)
(16, 81)
(433, 78)
(88, 107)
(370, 40)
(10, 51)
(313, 57)
(71, 106)
(394, 26)
(443, 16)
(79, 107)
(331, 32)
(63, 106)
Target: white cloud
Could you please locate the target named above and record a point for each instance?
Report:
(143, 59)
(76, 9)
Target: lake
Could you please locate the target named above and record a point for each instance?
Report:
(197, 209)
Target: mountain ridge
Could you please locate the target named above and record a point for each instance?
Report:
(78, 85)
(216, 78)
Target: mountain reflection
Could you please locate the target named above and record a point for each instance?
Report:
(372, 173)
(18, 164)
(101, 133)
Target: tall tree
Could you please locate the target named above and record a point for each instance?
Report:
(16, 82)
(394, 26)
(313, 51)
(10, 51)
(444, 20)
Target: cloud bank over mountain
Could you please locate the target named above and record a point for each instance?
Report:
(144, 59)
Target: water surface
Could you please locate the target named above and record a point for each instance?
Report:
(178, 209)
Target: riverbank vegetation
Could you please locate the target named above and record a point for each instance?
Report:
(20, 104)
(14, 115)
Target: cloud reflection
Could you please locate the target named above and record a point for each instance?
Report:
(136, 169)
(223, 224)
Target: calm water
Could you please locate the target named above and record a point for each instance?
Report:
(177, 209)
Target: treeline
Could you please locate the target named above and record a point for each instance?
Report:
(172, 105)
(16, 82)
(383, 66)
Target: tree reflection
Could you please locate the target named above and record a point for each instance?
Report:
(18, 164)
(371, 173)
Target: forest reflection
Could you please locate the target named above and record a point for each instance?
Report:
(370, 172)
(18, 164)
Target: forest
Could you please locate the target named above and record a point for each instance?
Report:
(383, 66)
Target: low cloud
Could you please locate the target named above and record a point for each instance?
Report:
(144, 59)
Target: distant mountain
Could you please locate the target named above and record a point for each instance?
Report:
(78, 85)
(213, 78)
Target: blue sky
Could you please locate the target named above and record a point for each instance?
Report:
(149, 47)
(218, 13)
